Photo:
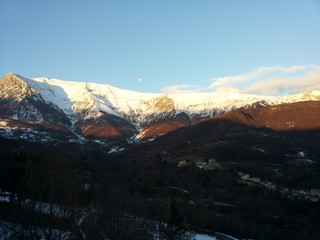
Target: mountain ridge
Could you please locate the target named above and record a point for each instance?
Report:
(101, 111)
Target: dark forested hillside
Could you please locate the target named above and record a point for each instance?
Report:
(235, 174)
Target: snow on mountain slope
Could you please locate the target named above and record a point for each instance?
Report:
(78, 97)
(20, 101)
(92, 108)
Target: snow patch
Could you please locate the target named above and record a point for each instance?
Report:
(7, 132)
(116, 149)
(5, 196)
(225, 236)
(308, 160)
(100, 142)
(203, 237)
(258, 149)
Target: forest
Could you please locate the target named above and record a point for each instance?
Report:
(67, 191)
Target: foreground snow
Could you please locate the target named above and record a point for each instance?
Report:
(15, 231)
(204, 237)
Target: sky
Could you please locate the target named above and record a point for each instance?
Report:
(257, 47)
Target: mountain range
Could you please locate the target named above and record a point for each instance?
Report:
(45, 109)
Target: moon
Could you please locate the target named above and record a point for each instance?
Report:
(139, 79)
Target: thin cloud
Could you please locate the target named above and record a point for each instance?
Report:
(280, 85)
(180, 88)
(274, 80)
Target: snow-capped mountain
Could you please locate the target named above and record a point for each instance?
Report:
(79, 111)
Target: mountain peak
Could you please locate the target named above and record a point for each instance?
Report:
(13, 79)
(14, 86)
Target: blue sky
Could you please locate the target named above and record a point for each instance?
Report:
(166, 45)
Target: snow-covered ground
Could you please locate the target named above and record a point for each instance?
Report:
(5, 196)
(115, 149)
(8, 229)
(204, 237)
(14, 231)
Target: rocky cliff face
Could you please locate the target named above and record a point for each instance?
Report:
(50, 109)
(13, 87)
(23, 111)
